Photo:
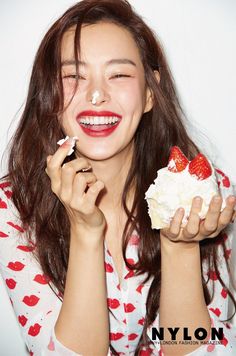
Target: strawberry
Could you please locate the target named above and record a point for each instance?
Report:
(180, 160)
(200, 167)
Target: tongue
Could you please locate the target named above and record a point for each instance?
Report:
(99, 127)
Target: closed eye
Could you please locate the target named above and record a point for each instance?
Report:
(120, 75)
(73, 76)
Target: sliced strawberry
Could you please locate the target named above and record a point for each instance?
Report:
(200, 167)
(177, 160)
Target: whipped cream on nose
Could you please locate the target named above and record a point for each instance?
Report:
(94, 97)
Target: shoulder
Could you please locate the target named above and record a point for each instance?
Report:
(9, 215)
(5, 196)
(7, 207)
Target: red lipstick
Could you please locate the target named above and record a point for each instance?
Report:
(95, 123)
(98, 113)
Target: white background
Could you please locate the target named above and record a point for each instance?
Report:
(199, 38)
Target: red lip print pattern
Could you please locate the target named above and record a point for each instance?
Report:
(51, 345)
(22, 320)
(141, 321)
(225, 180)
(213, 275)
(130, 261)
(8, 194)
(129, 307)
(116, 336)
(25, 248)
(11, 283)
(222, 238)
(41, 278)
(5, 185)
(132, 336)
(129, 274)
(147, 352)
(139, 289)
(30, 300)
(134, 240)
(15, 226)
(2, 234)
(227, 253)
(210, 348)
(113, 303)
(16, 266)
(34, 330)
(224, 293)
(3, 205)
(108, 267)
(216, 311)
(224, 341)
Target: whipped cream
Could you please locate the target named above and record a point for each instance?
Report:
(94, 97)
(171, 191)
(60, 142)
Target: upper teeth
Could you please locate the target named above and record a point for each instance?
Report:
(98, 120)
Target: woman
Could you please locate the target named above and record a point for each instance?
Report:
(100, 77)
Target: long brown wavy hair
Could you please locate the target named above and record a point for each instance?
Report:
(39, 130)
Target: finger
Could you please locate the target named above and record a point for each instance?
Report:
(192, 227)
(68, 173)
(175, 225)
(81, 182)
(234, 217)
(48, 160)
(211, 221)
(54, 162)
(67, 179)
(78, 164)
(94, 191)
(228, 213)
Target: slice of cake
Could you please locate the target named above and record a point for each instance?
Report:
(177, 184)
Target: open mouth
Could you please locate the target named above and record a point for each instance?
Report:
(98, 122)
(101, 123)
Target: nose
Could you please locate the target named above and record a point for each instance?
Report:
(98, 95)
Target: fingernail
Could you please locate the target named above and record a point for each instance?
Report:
(232, 199)
(217, 199)
(198, 201)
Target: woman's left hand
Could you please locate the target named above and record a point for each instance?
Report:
(197, 229)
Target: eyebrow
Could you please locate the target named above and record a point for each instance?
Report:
(69, 62)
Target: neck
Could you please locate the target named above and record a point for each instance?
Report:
(113, 173)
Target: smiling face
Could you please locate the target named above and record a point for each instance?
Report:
(111, 95)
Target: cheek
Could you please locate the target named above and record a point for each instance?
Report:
(131, 97)
(69, 89)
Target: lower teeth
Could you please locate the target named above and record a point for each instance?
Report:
(100, 124)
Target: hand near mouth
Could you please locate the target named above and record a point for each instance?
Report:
(77, 189)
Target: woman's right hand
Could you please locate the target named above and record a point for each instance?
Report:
(69, 183)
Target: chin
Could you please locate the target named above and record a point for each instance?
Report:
(96, 155)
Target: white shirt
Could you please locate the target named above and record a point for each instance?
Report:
(37, 307)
